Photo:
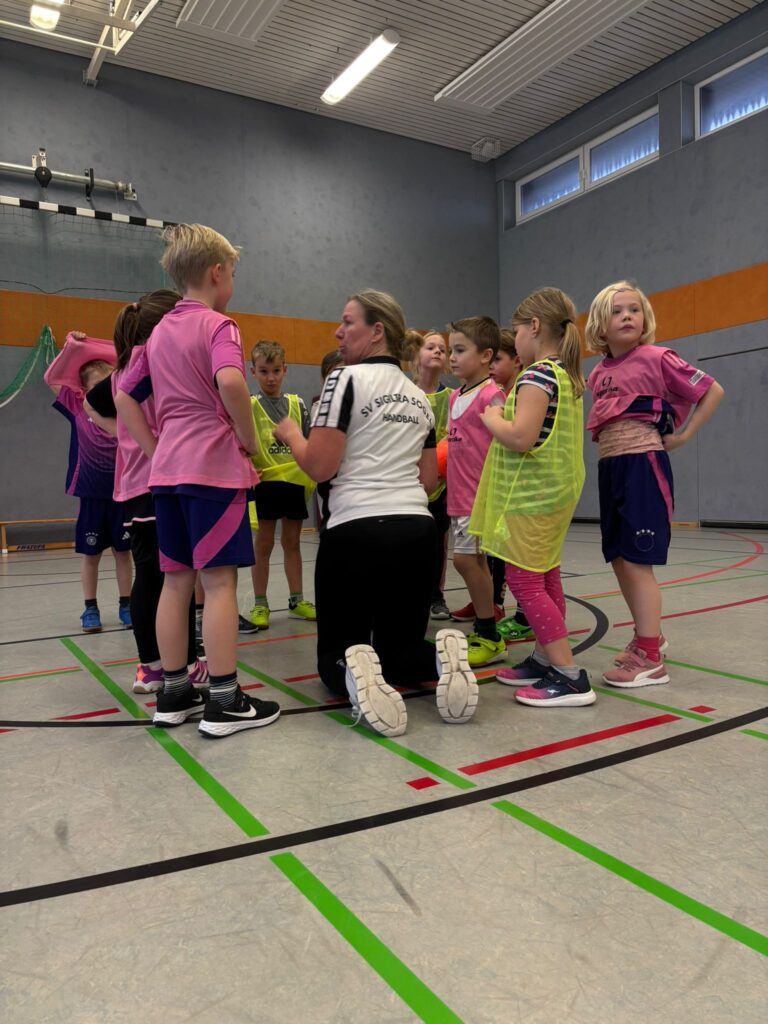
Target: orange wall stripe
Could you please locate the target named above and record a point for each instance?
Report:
(728, 300)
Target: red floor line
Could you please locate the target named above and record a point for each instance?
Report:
(86, 714)
(700, 611)
(300, 679)
(42, 672)
(276, 639)
(576, 741)
(759, 550)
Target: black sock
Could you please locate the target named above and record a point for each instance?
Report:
(521, 620)
(91, 602)
(176, 682)
(224, 689)
(486, 628)
(125, 602)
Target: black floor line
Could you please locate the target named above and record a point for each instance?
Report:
(270, 844)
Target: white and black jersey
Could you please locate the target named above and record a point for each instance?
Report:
(388, 423)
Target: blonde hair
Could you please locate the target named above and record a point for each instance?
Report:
(555, 309)
(269, 351)
(89, 369)
(414, 342)
(482, 331)
(381, 308)
(600, 317)
(190, 249)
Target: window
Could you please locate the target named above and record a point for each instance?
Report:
(548, 187)
(731, 95)
(623, 149)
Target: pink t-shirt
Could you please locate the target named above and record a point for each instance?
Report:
(644, 384)
(131, 466)
(468, 442)
(196, 443)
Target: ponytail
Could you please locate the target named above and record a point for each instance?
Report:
(136, 321)
(555, 309)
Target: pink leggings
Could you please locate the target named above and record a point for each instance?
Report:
(540, 596)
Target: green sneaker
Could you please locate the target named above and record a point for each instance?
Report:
(484, 652)
(260, 616)
(303, 610)
(510, 629)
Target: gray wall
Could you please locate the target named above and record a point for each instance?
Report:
(320, 208)
(699, 211)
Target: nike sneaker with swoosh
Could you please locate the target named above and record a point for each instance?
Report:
(246, 713)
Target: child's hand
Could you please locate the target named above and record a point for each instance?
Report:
(287, 431)
(492, 414)
(77, 335)
(672, 441)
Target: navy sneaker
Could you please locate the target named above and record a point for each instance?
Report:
(245, 625)
(526, 672)
(91, 620)
(555, 689)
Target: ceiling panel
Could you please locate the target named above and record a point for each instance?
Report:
(308, 42)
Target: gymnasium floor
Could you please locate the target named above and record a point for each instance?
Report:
(585, 865)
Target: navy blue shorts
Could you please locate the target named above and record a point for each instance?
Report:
(636, 499)
(202, 527)
(100, 526)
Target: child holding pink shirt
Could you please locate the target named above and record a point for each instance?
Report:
(193, 365)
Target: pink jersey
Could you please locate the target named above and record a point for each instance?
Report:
(132, 465)
(196, 443)
(644, 384)
(468, 442)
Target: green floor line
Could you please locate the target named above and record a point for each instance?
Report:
(37, 675)
(409, 755)
(754, 732)
(411, 989)
(344, 719)
(652, 704)
(678, 586)
(713, 918)
(234, 810)
(701, 668)
(278, 684)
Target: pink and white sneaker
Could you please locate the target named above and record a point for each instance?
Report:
(634, 668)
(198, 674)
(148, 680)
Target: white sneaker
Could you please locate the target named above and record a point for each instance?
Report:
(378, 705)
(457, 692)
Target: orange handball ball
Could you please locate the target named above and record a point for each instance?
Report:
(442, 458)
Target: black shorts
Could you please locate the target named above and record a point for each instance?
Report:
(100, 526)
(276, 499)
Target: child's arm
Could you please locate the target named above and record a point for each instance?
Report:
(236, 399)
(108, 425)
(132, 415)
(704, 409)
(521, 433)
(319, 455)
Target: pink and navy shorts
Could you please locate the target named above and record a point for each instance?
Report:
(202, 527)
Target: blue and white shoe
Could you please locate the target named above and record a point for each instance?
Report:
(124, 614)
(90, 620)
(457, 692)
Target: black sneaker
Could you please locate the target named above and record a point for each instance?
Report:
(245, 625)
(176, 709)
(246, 713)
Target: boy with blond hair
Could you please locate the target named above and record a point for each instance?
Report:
(284, 488)
(193, 365)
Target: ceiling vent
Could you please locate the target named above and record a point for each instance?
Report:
(562, 28)
(241, 21)
(486, 149)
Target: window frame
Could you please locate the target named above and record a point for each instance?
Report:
(583, 153)
(628, 168)
(697, 132)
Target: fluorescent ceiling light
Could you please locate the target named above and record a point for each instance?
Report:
(361, 66)
(45, 18)
(562, 28)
